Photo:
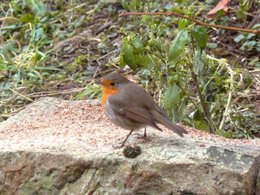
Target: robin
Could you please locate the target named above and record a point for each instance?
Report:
(129, 106)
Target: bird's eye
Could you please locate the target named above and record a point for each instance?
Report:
(112, 84)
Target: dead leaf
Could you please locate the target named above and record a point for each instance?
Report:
(222, 5)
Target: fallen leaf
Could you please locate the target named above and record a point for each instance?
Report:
(222, 5)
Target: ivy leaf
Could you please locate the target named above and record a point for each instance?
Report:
(239, 38)
(182, 24)
(178, 45)
(201, 36)
(199, 60)
(171, 100)
(128, 55)
(144, 61)
(137, 43)
(121, 61)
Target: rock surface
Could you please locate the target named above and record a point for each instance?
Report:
(60, 147)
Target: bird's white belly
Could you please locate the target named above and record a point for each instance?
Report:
(109, 111)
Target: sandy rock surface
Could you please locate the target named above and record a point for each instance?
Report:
(78, 134)
(85, 124)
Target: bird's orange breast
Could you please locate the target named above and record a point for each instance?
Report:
(106, 92)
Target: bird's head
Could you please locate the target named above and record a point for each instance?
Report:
(111, 84)
(112, 80)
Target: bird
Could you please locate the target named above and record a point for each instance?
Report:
(131, 107)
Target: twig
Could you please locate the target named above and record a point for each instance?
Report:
(105, 26)
(12, 112)
(187, 95)
(231, 73)
(54, 93)
(218, 69)
(77, 7)
(191, 19)
(100, 58)
(27, 98)
(226, 110)
(202, 101)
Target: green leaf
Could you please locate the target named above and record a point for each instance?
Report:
(172, 100)
(128, 55)
(91, 92)
(182, 24)
(9, 27)
(143, 60)
(226, 134)
(199, 62)
(121, 61)
(46, 68)
(239, 38)
(201, 36)
(198, 120)
(137, 43)
(212, 45)
(38, 7)
(256, 26)
(250, 35)
(249, 45)
(27, 18)
(39, 34)
(133, 5)
(8, 20)
(124, 4)
(3, 67)
(178, 45)
(202, 125)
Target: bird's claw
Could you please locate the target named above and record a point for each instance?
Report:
(118, 146)
(143, 137)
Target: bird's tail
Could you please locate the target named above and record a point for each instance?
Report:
(167, 123)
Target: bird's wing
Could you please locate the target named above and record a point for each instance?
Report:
(133, 113)
(139, 106)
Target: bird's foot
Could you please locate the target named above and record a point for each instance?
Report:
(118, 145)
(144, 138)
(123, 143)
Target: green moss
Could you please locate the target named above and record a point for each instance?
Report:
(45, 184)
(28, 188)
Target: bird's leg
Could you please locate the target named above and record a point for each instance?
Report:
(123, 143)
(145, 135)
